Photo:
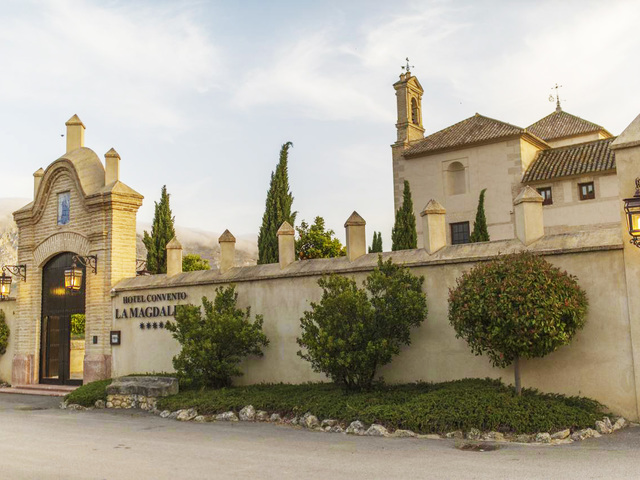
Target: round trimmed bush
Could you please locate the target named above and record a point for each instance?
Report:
(4, 334)
(517, 306)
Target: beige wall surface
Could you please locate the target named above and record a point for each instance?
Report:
(9, 309)
(597, 364)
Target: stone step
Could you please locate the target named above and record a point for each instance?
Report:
(40, 389)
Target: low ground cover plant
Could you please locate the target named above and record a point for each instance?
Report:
(484, 404)
(88, 394)
(353, 331)
(4, 333)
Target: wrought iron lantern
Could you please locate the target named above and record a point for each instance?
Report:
(5, 280)
(5, 285)
(73, 276)
(632, 212)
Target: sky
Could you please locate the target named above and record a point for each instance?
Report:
(200, 95)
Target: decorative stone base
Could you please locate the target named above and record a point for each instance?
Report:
(22, 369)
(96, 367)
(131, 401)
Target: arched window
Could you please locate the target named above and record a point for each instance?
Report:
(456, 179)
(415, 114)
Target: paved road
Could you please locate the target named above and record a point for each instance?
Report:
(39, 441)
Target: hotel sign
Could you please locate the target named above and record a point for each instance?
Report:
(142, 309)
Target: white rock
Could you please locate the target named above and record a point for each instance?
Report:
(561, 435)
(173, 415)
(187, 415)
(200, 419)
(275, 418)
(543, 438)
(309, 421)
(328, 423)
(356, 428)
(602, 428)
(165, 413)
(474, 434)
(262, 416)
(404, 433)
(494, 437)
(336, 429)
(376, 430)
(620, 424)
(227, 417)
(584, 434)
(457, 434)
(99, 404)
(247, 414)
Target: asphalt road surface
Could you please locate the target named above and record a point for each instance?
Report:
(40, 441)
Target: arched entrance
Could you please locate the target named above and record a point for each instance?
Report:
(62, 339)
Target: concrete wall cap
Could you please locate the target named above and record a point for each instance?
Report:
(227, 237)
(354, 220)
(630, 137)
(528, 194)
(432, 207)
(174, 244)
(112, 153)
(75, 120)
(39, 173)
(286, 229)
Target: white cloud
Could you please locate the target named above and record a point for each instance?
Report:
(124, 60)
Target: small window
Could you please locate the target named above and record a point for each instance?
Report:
(546, 195)
(64, 208)
(586, 191)
(459, 233)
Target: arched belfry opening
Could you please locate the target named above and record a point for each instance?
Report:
(80, 211)
(63, 324)
(415, 112)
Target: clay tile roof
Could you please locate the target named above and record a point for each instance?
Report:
(577, 159)
(476, 129)
(562, 124)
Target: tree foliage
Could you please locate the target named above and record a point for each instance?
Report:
(162, 231)
(316, 242)
(214, 339)
(376, 244)
(78, 324)
(517, 306)
(277, 209)
(404, 235)
(4, 333)
(480, 232)
(353, 331)
(193, 262)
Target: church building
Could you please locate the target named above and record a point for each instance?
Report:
(567, 159)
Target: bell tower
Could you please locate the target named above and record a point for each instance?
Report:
(409, 101)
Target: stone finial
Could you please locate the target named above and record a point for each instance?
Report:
(227, 251)
(112, 167)
(75, 133)
(174, 257)
(286, 244)
(434, 226)
(528, 215)
(356, 236)
(37, 180)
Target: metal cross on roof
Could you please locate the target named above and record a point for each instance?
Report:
(408, 67)
(557, 99)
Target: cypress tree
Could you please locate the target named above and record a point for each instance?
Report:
(376, 244)
(277, 209)
(162, 232)
(404, 235)
(480, 231)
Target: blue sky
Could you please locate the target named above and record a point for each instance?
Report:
(200, 95)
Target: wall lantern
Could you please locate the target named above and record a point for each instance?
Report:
(5, 280)
(632, 211)
(73, 275)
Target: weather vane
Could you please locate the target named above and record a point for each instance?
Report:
(408, 67)
(557, 99)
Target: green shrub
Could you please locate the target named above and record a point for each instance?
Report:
(517, 306)
(86, 395)
(4, 333)
(216, 340)
(316, 242)
(422, 407)
(353, 331)
(193, 262)
(78, 322)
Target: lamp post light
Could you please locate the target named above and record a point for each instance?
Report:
(5, 286)
(632, 212)
(5, 280)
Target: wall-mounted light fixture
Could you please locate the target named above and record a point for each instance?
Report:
(5, 280)
(73, 275)
(632, 212)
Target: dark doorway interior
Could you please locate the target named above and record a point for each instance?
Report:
(62, 333)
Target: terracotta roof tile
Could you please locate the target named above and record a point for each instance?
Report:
(578, 159)
(474, 129)
(562, 124)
